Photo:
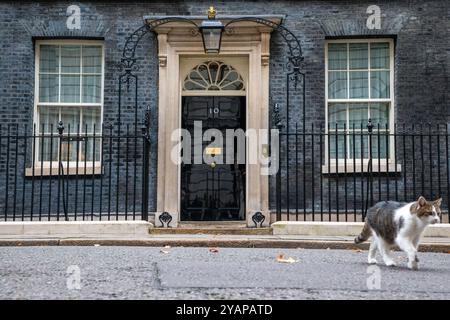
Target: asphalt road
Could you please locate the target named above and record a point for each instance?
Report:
(197, 273)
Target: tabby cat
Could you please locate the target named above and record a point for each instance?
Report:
(393, 223)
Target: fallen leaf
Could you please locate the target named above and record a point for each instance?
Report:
(281, 258)
(213, 250)
(357, 250)
(165, 249)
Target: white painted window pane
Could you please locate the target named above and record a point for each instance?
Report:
(48, 116)
(68, 150)
(92, 59)
(358, 115)
(358, 56)
(358, 145)
(92, 89)
(48, 149)
(337, 56)
(379, 55)
(379, 113)
(91, 117)
(70, 88)
(337, 85)
(337, 114)
(49, 59)
(48, 88)
(359, 84)
(89, 148)
(71, 119)
(337, 141)
(380, 81)
(380, 147)
(70, 59)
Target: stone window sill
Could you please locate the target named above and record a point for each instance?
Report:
(45, 171)
(358, 167)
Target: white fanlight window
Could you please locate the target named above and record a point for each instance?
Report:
(214, 76)
(69, 88)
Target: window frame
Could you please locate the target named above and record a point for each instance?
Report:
(51, 167)
(382, 163)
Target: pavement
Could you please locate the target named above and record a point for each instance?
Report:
(211, 240)
(121, 272)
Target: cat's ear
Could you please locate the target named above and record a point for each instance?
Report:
(421, 201)
(438, 202)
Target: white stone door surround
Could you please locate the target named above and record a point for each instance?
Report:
(248, 46)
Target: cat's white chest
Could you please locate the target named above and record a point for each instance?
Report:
(412, 226)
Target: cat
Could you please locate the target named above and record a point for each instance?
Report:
(393, 223)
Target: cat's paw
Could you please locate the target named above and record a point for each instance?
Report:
(390, 263)
(372, 261)
(413, 265)
(417, 259)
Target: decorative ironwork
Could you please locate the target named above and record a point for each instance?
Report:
(145, 129)
(129, 78)
(276, 117)
(165, 218)
(258, 219)
(128, 61)
(295, 59)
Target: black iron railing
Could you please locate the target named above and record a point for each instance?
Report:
(326, 173)
(56, 173)
(334, 173)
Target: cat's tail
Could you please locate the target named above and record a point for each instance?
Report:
(365, 234)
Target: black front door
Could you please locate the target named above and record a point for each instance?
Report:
(213, 191)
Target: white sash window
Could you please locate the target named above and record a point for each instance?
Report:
(359, 86)
(69, 88)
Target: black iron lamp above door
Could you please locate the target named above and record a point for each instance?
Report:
(211, 31)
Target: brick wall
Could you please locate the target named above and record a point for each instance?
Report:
(422, 55)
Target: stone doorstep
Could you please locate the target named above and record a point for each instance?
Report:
(342, 229)
(75, 228)
(192, 230)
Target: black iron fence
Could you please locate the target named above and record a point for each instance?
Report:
(91, 173)
(326, 173)
(334, 173)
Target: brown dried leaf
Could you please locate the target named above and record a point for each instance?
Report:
(282, 259)
(214, 250)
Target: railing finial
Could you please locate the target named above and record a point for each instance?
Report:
(370, 125)
(60, 127)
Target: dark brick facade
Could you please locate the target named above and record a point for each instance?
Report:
(421, 31)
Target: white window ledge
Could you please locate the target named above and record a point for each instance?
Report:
(359, 167)
(54, 171)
